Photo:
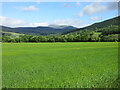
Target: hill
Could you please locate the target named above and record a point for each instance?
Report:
(39, 30)
(110, 22)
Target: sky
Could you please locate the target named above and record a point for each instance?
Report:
(77, 14)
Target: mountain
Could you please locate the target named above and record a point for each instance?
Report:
(61, 29)
(39, 30)
(103, 24)
(61, 26)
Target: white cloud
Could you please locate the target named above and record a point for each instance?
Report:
(69, 22)
(112, 6)
(38, 1)
(80, 14)
(67, 5)
(60, 0)
(96, 18)
(29, 8)
(98, 7)
(94, 8)
(78, 3)
(40, 24)
(11, 22)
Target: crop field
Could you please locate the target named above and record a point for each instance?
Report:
(60, 65)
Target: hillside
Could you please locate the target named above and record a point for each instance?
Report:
(103, 24)
(39, 30)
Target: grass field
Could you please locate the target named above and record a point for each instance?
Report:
(60, 65)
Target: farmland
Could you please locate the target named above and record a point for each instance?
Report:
(60, 65)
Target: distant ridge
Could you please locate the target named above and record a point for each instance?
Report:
(40, 30)
(59, 29)
(109, 22)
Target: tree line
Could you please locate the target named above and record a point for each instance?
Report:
(107, 34)
(64, 38)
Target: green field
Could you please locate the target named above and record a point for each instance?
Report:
(60, 65)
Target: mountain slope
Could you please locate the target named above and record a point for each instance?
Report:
(103, 24)
(38, 30)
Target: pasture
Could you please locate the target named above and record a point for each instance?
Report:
(60, 65)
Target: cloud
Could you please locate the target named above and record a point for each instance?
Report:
(96, 18)
(11, 22)
(98, 7)
(69, 22)
(67, 5)
(60, 0)
(78, 3)
(94, 8)
(112, 6)
(40, 24)
(29, 8)
(38, 1)
(80, 14)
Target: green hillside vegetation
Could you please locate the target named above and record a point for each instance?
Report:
(39, 30)
(108, 34)
(103, 24)
(12, 34)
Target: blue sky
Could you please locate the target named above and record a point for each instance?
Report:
(78, 14)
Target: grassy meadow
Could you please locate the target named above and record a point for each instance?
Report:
(60, 65)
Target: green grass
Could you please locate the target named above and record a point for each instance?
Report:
(60, 65)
